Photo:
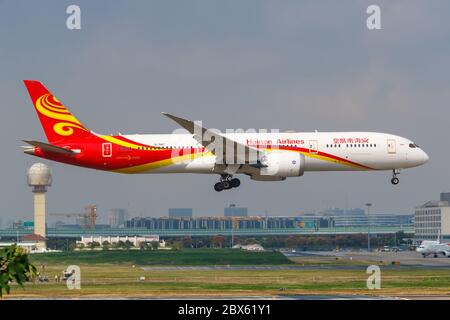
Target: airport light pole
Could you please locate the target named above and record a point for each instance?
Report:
(232, 232)
(368, 205)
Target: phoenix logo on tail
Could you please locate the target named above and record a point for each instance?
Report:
(56, 119)
(286, 154)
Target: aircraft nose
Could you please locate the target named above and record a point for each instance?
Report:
(425, 157)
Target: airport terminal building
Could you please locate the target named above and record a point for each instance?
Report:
(432, 219)
(314, 223)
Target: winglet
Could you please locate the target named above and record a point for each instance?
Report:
(186, 124)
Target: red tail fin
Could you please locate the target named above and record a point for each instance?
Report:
(57, 121)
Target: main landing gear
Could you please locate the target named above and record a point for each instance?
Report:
(394, 179)
(226, 183)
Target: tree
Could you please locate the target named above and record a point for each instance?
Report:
(119, 244)
(128, 244)
(106, 245)
(14, 266)
(177, 245)
(155, 245)
(217, 241)
(291, 241)
(250, 241)
(187, 242)
(93, 245)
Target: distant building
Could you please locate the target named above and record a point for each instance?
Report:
(432, 219)
(257, 222)
(85, 240)
(343, 212)
(117, 217)
(357, 220)
(17, 224)
(233, 211)
(249, 247)
(27, 246)
(180, 212)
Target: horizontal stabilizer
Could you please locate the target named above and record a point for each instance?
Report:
(48, 147)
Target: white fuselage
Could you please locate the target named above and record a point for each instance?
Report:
(435, 248)
(323, 151)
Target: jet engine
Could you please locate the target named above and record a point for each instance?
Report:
(282, 164)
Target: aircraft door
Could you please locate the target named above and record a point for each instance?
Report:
(313, 146)
(107, 150)
(391, 146)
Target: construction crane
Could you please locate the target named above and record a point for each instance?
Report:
(89, 216)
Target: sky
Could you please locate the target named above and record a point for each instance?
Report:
(288, 65)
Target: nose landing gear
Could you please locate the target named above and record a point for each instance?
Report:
(394, 179)
(226, 183)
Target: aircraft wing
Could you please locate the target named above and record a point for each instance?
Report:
(226, 150)
(48, 147)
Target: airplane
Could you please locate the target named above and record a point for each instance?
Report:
(263, 156)
(429, 247)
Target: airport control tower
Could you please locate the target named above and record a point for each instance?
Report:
(39, 177)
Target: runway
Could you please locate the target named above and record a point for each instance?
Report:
(243, 268)
(403, 258)
(328, 260)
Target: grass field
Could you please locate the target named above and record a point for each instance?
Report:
(106, 275)
(185, 257)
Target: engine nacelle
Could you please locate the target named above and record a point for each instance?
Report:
(282, 164)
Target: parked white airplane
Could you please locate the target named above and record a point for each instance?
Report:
(435, 248)
(262, 156)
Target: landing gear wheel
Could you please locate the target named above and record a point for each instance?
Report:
(218, 186)
(235, 183)
(226, 185)
(394, 179)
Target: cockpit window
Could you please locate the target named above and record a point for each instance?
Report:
(413, 145)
